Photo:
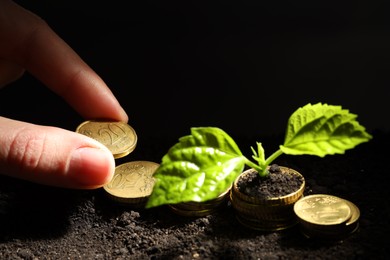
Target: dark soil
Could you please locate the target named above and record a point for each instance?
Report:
(275, 184)
(39, 222)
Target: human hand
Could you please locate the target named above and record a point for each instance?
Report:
(43, 154)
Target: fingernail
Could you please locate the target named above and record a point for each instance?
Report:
(91, 167)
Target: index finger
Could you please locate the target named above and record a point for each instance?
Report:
(31, 43)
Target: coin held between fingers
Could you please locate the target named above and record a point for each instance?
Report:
(119, 137)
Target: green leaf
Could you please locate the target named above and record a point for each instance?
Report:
(322, 129)
(200, 167)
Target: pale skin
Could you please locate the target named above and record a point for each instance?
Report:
(51, 155)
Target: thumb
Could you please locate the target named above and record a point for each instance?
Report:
(53, 156)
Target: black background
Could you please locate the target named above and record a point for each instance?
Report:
(177, 64)
(244, 66)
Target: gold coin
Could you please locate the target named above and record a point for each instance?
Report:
(119, 137)
(322, 209)
(204, 205)
(338, 229)
(192, 213)
(132, 182)
(266, 225)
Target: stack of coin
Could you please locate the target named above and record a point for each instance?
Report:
(325, 216)
(132, 183)
(266, 214)
(119, 137)
(200, 209)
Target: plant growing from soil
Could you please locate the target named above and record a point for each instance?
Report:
(204, 164)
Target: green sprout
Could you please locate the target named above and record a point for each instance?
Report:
(204, 164)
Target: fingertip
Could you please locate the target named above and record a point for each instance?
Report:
(91, 167)
(123, 115)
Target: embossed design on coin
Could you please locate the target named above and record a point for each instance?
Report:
(132, 182)
(119, 137)
(323, 209)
